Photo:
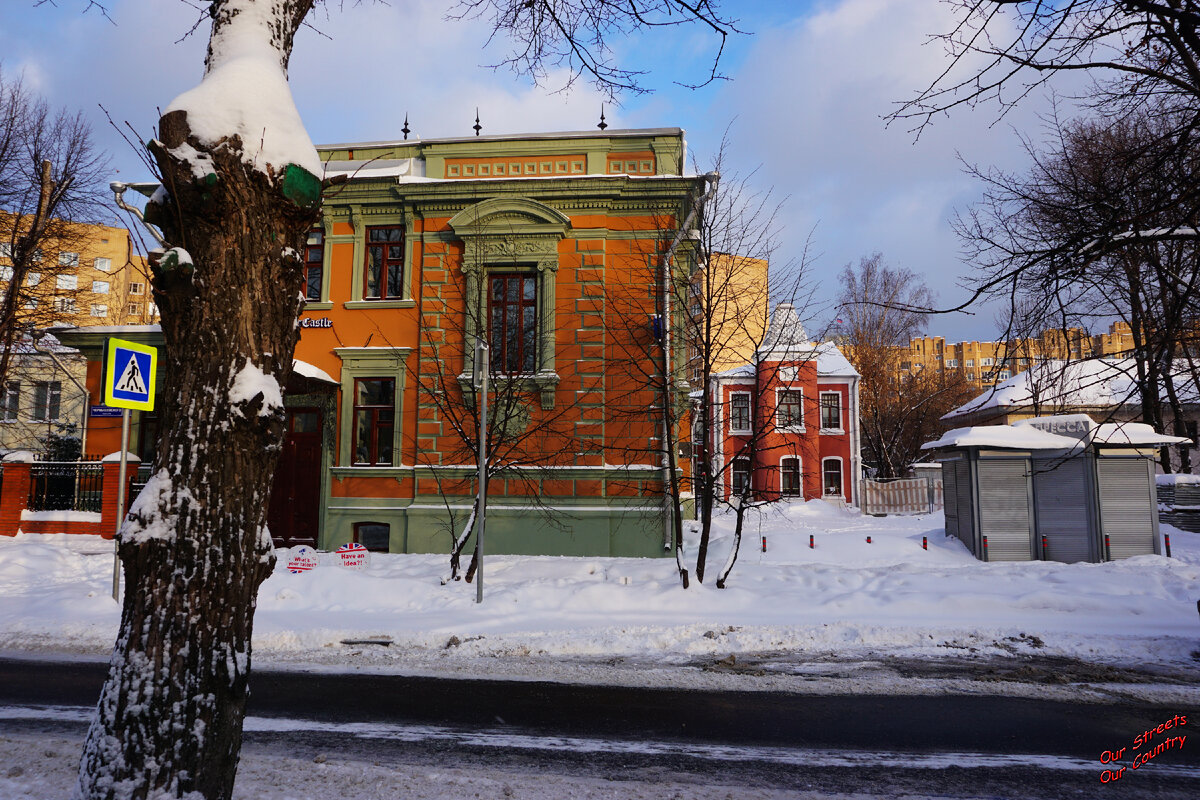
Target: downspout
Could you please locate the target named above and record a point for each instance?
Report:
(712, 179)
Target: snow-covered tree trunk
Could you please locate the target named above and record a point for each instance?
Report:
(240, 193)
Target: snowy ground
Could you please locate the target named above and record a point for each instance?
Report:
(837, 617)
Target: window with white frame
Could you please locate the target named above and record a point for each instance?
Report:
(11, 401)
(33, 278)
(789, 477)
(970, 362)
(65, 305)
(739, 412)
(68, 259)
(6, 273)
(134, 309)
(99, 311)
(31, 303)
(831, 476)
(5, 249)
(99, 287)
(986, 362)
(739, 477)
(66, 282)
(137, 288)
(47, 400)
(102, 264)
(789, 409)
(951, 362)
(831, 411)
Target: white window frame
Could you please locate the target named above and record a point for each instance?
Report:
(951, 362)
(68, 259)
(66, 282)
(102, 264)
(10, 402)
(799, 476)
(779, 424)
(100, 287)
(137, 288)
(733, 492)
(749, 417)
(841, 412)
(41, 411)
(986, 362)
(841, 476)
(99, 310)
(66, 305)
(134, 309)
(33, 278)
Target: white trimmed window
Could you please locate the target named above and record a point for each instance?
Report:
(789, 408)
(831, 477)
(47, 400)
(11, 404)
(99, 311)
(67, 282)
(134, 309)
(137, 288)
(66, 305)
(739, 412)
(790, 484)
(103, 264)
(68, 259)
(831, 411)
(99, 287)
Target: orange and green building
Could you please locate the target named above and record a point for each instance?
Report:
(551, 247)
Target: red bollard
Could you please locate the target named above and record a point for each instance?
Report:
(985, 550)
(764, 544)
(1045, 547)
(1167, 536)
(811, 544)
(1107, 548)
(868, 540)
(924, 542)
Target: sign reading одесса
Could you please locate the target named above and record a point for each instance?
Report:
(353, 555)
(129, 375)
(302, 559)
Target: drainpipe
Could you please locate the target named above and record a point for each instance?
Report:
(685, 230)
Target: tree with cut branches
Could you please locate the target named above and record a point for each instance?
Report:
(240, 191)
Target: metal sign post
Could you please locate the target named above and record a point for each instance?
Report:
(130, 372)
(481, 386)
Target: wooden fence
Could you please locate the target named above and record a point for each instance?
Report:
(903, 496)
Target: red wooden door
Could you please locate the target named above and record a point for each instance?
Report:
(296, 494)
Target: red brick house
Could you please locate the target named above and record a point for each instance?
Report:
(788, 421)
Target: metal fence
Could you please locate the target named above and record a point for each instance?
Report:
(66, 486)
(902, 496)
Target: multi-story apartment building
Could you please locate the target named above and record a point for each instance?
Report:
(985, 364)
(727, 302)
(87, 275)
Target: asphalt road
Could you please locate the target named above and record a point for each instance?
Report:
(897, 746)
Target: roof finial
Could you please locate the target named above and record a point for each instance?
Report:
(405, 130)
(477, 126)
(602, 124)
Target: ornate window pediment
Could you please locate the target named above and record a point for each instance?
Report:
(514, 234)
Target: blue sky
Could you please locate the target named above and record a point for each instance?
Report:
(804, 105)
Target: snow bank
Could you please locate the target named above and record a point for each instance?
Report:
(844, 598)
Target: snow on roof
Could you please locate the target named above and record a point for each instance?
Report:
(245, 93)
(1004, 436)
(830, 363)
(1036, 434)
(306, 370)
(785, 335)
(1094, 383)
(376, 168)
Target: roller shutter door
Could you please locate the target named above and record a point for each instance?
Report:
(950, 493)
(1126, 506)
(1004, 509)
(1063, 515)
(966, 515)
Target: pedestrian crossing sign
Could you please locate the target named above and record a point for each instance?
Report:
(129, 375)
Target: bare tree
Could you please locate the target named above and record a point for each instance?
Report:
(49, 184)
(239, 195)
(900, 408)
